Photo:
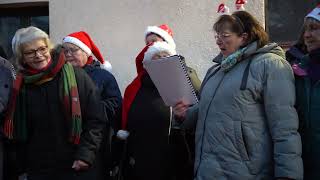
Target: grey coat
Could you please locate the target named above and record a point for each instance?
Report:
(246, 125)
(6, 79)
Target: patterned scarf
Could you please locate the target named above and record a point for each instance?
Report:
(15, 122)
(229, 62)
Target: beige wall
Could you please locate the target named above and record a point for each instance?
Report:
(117, 27)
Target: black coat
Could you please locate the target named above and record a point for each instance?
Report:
(148, 143)
(111, 101)
(48, 150)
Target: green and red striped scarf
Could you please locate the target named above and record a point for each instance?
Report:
(15, 121)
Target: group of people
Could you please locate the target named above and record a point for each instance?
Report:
(63, 117)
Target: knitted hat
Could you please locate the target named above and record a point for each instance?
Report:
(84, 42)
(315, 13)
(163, 31)
(158, 47)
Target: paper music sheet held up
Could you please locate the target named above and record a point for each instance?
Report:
(171, 79)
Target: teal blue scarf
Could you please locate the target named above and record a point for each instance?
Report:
(229, 62)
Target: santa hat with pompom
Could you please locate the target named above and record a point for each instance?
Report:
(164, 31)
(84, 42)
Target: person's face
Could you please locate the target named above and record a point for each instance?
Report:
(36, 54)
(311, 35)
(151, 38)
(75, 55)
(159, 55)
(229, 42)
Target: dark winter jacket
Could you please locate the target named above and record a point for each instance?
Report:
(111, 101)
(152, 144)
(148, 124)
(47, 149)
(6, 78)
(308, 107)
(108, 89)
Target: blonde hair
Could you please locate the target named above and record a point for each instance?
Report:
(25, 35)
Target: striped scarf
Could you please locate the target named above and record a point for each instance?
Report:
(15, 121)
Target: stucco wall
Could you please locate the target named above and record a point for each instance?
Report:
(117, 27)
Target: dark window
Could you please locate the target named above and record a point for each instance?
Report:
(284, 18)
(20, 15)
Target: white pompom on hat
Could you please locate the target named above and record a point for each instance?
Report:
(84, 42)
(164, 31)
(123, 134)
(315, 13)
(158, 47)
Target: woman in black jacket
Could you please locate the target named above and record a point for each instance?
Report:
(54, 119)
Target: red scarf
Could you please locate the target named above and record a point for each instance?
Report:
(14, 126)
(133, 88)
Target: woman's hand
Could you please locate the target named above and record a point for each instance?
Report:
(79, 165)
(180, 110)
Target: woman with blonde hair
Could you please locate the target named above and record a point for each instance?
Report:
(54, 120)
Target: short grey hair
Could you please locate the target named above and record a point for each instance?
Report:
(25, 35)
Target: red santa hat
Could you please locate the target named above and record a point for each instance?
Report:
(84, 42)
(163, 31)
(315, 13)
(158, 47)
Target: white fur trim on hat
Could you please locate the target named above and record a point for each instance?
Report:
(315, 13)
(77, 42)
(107, 66)
(157, 47)
(123, 134)
(167, 37)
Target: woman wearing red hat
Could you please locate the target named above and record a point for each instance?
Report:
(307, 75)
(147, 119)
(79, 50)
(54, 121)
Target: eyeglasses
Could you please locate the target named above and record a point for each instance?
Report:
(72, 51)
(222, 35)
(32, 53)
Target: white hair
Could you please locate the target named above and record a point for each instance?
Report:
(25, 35)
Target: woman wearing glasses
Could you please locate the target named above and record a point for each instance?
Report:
(246, 126)
(54, 119)
(79, 50)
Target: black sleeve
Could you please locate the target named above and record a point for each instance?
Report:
(93, 121)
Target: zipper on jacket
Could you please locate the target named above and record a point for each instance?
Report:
(204, 123)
